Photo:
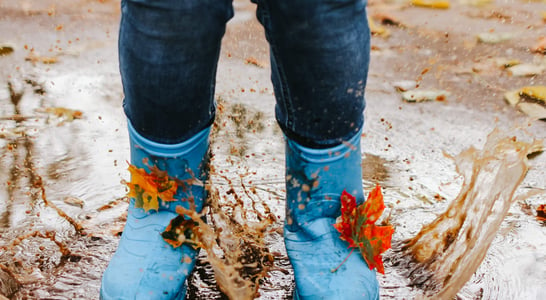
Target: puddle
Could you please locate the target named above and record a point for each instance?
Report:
(85, 159)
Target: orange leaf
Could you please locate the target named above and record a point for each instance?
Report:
(148, 188)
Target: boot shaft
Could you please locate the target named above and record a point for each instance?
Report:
(315, 179)
(186, 163)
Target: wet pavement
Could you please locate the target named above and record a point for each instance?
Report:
(58, 169)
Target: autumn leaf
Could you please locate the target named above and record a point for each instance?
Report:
(357, 226)
(148, 188)
(378, 29)
(181, 231)
(47, 60)
(438, 4)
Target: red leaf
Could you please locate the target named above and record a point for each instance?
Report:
(345, 227)
(357, 227)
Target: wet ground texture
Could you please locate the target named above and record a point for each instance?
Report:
(64, 144)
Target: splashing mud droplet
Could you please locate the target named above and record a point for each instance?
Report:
(442, 257)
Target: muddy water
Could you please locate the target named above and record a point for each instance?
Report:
(446, 252)
(78, 165)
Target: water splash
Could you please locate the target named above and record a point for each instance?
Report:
(234, 245)
(447, 252)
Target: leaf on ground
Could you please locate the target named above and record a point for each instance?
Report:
(74, 201)
(526, 70)
(493, 38)
(404, 85)
(506, 62)
(425, 95)
(148, 188)
(378, 30)
(438, 4)
(476, 2)
(531, 100)
(357, 226)
(47, 60)
(387, 19)
(12, 133)
(491, 66)
(66, 114)
(537, 93)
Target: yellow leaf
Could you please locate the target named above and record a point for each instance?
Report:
(66, 113)
(537, 92)
(148, 188)
(439, 4)
(150, 202)
(43, 59)
(378, 29)
(477, 2)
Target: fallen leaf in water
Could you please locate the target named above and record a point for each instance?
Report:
(425, 95)
(65, 114)
(493, 38)
(439, 4)
(387, 19)
(541, 213)
(68, 114)
(34, 58)
(526, 70)
(147, 188)
(404, 85)
(543, 14)
(476, 2)
(506, 62)
(378, 30)
(12, 133)
(74, 201)
(531, 100)
(493, 65)
(488, 66)
(536, 93)
(540, 47)
(357, 226)
(6, 50)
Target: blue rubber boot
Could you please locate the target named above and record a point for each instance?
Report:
(144, 265)
(315, 179)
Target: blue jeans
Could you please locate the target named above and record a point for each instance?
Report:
(169, 51)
